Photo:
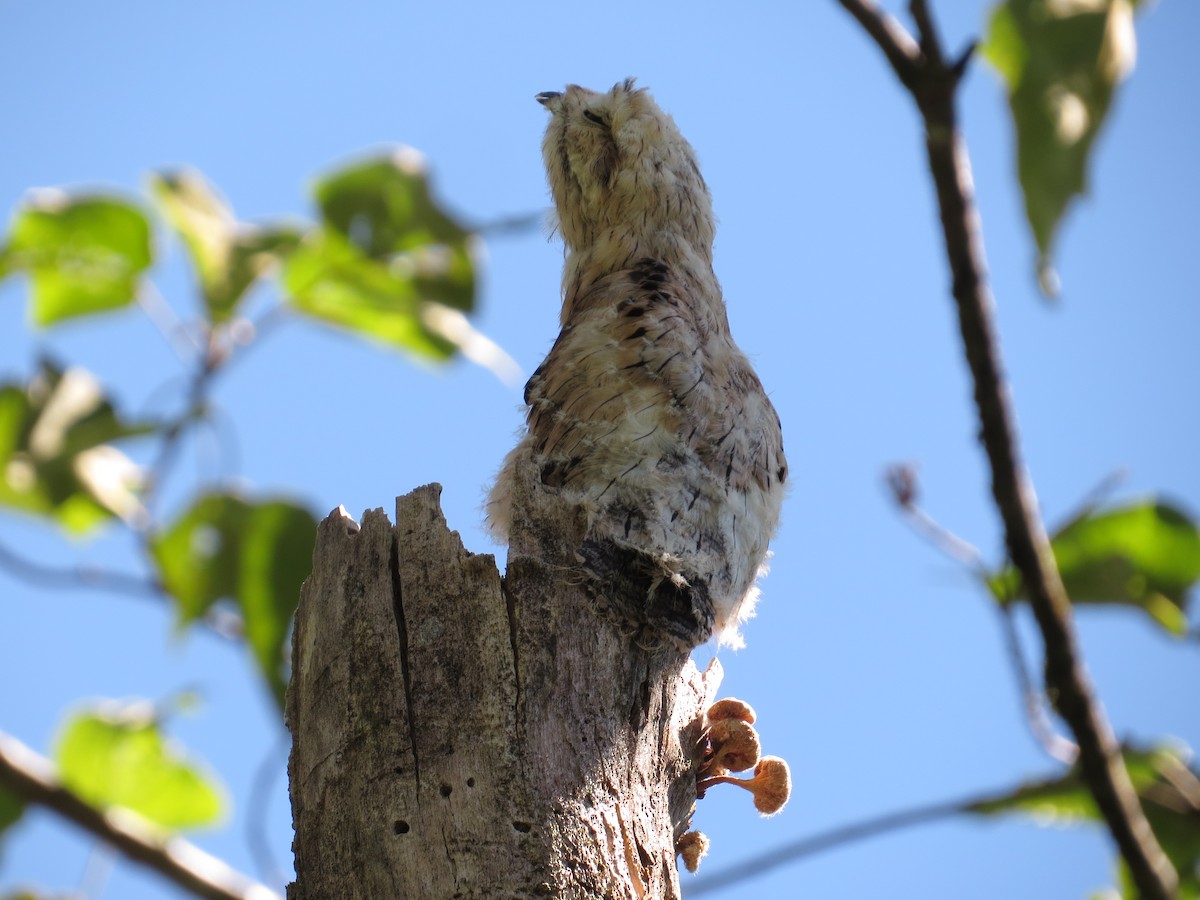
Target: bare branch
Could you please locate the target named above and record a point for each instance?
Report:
(272, 766)
(934, 88)
(28, 775)
(1033, 700)
(927, 34)
(520, 223)
(839, 837)
(223, 622)
(902, 480)
(76, 576)
(896, 43)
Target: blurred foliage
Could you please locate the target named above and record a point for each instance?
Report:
(11, 809)
(116, 755)
(1144, 554)
(382, 261)
(255, 555)
(56, 453)
(1061, 62)
(1170, 795)
(83, 254)
(383, 255)
(228, 256)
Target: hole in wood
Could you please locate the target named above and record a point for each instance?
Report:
(523, 827)
(470, 782)
(400, 827)
(445, 790)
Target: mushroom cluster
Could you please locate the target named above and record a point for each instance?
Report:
(732, 745)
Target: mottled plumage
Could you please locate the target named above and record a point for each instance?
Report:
(645, 413)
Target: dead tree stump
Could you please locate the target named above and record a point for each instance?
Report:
(456, 734)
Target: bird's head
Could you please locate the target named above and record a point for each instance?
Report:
(618, 166)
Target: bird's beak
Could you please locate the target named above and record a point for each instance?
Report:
(545, 97)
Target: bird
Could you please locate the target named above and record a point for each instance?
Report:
(645, 414)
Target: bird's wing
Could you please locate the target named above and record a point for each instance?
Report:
(644, 380)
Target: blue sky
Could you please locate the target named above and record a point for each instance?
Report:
(877, 669)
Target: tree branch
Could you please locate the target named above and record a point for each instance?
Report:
(933, 86)
(1032, 699)
(896, 43)
(76, 576)
(840, 836)
(222, 622)
(28, 775)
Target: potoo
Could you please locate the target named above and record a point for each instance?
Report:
(645, 413)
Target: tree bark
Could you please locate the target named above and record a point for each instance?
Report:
(456, 734)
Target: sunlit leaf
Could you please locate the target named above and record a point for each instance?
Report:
(330, 280)
(228, 256)
(385, 253)
(116, 755)
(1169, 792)
(255, 555)
(84, 254)
(1061, 61)
(56, 457)
(1145, 555)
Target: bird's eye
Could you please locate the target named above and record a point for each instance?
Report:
(592, 117)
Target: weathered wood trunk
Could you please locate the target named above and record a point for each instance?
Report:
(460, 735)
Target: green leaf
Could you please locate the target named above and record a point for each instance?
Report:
(11, 807)
(385, 255)
(1145, 555)
(256, 555)
(1061, 63)
(228, 256)
(1067, 800)
(116, 755)
(330, 280)
(56, 457)
(1168, 789)
(84, 254)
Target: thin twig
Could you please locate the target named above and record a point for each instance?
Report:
(1033, 700)
(167, 323)
(273, 764)
(29, 776)
(1093, 499)
(506, 225)
(72, 577)
(896, 43)
(902, 480)
(927, 36)
(839, 837)
(97, 870)
(222, 622)
(934, 89)
(207, 366)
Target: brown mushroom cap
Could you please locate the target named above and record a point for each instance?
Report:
(734, 746)
(693, 847)
(731, 708)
